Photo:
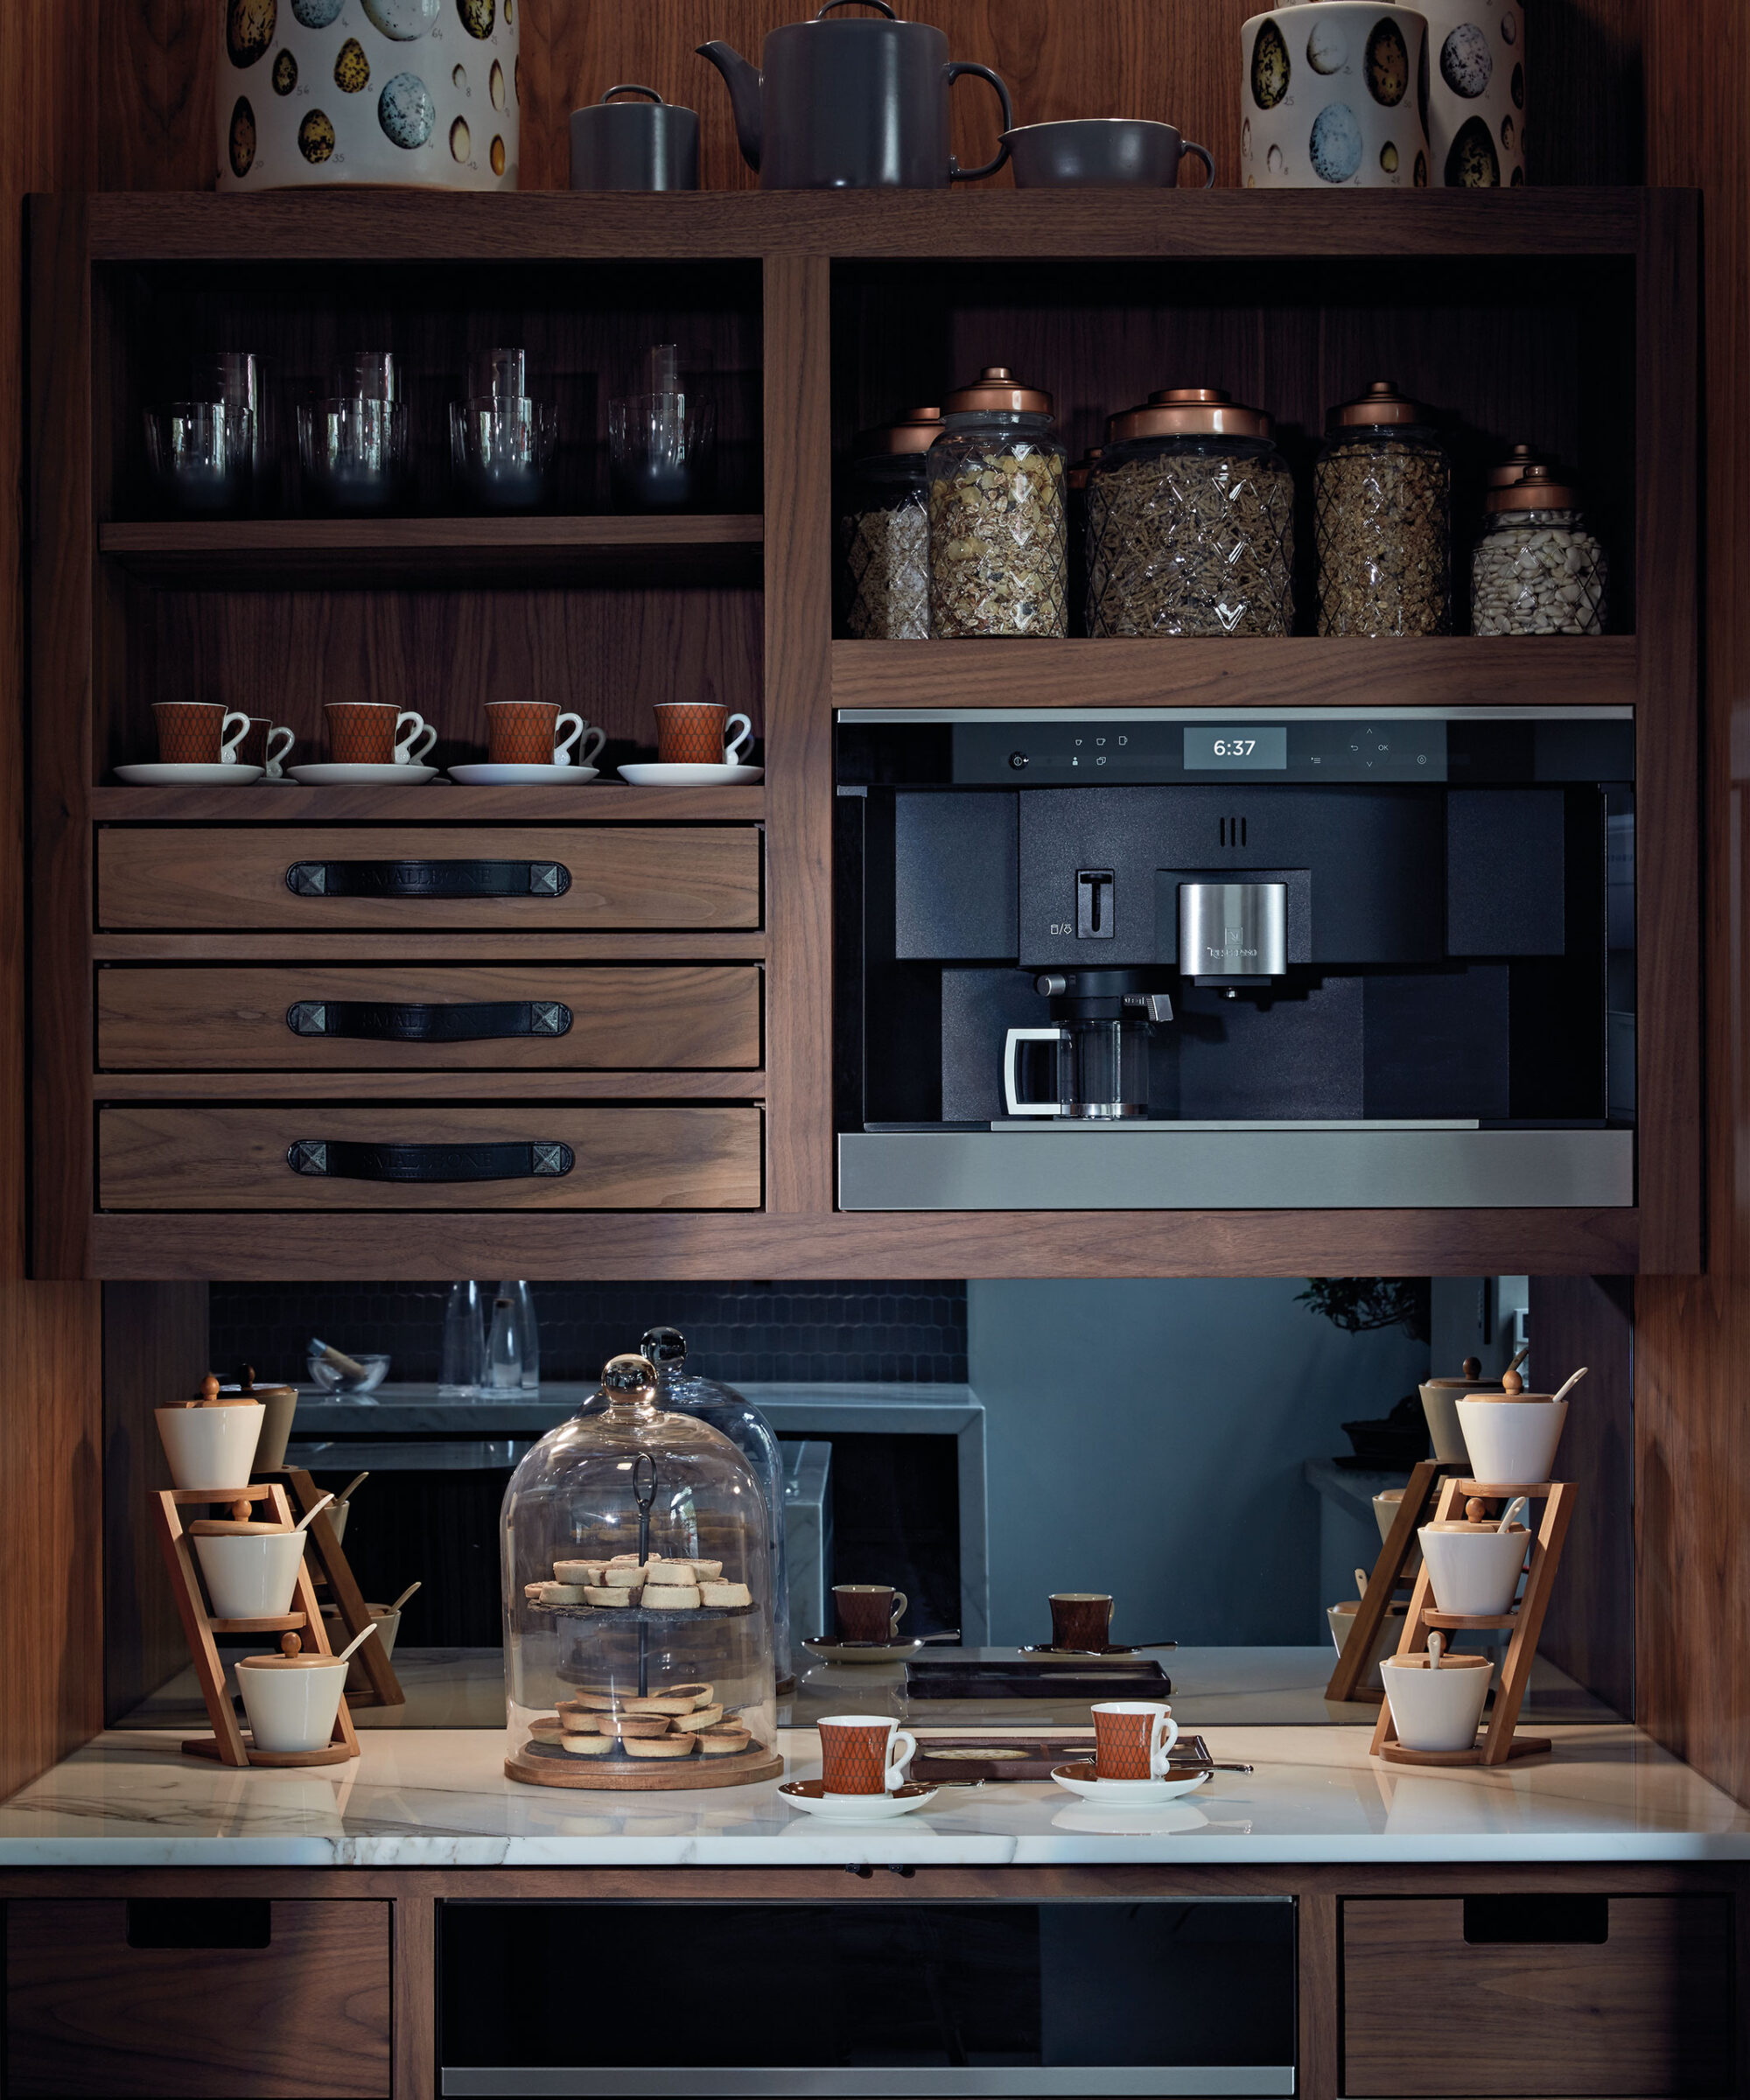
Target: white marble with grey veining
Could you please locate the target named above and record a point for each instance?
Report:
(437, 1797)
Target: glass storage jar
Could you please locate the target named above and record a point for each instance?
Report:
(1537, 570)
(1196, 521)
(884, 537)
(1075, 525)
(998, 523)
(1382, 513)
(637, 1600)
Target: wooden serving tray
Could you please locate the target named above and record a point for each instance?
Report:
(614, 1774)
(1042, 1752)
(943, 1677)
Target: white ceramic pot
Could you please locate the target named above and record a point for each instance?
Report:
(420, 92)
(1329, 98)
(1440, 1398)
(250, 1574)
(388, 1624)
(1340, 1617)
(1476, 92)
(1434, 1709)
(291, 1700)
(1512, 1443)
(1386, 1504)
(1474, 1568)
(210, 1446)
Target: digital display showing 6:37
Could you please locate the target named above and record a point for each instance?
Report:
(1217, 750)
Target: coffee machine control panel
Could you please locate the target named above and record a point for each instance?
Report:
(1128, 751)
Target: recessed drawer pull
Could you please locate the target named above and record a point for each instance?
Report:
(345, 1159)
(428, 879)
(377, 1021)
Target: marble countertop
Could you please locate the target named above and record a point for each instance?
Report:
(439, 1798)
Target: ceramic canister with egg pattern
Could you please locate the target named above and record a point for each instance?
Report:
(1334, 94)
(1476, 92)
(421, 92)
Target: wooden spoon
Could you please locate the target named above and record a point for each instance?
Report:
(314, 1511)
(404, 1595)
(1572, 1383)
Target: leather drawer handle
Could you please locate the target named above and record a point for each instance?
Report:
(342, 1159)
(373, 1021)
(428, 879)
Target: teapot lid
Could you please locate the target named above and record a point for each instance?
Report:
(914, 431)
(1185, 411)
(996, 391)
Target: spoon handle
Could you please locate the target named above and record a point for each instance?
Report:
(1572, 1383)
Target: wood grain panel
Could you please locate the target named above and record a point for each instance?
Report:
(237, 877)
(308, 2013)
(1647, 2013)
(429, 948)
(415, 2049)
(626, 1159)
(419, 1087)
(611, 802)
(186, 1020)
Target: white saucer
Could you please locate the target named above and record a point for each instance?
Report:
(483, 775)
(1126, 1793)
(809, 1795)
(160, 775)
(330, 775)
(692, 776)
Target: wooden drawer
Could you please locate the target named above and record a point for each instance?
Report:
(623, 875)
(683, 1017)
(621, 1158)
(1537, 1995)
(197, 1996)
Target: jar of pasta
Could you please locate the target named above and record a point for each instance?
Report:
(998, 519)
(1382, 516)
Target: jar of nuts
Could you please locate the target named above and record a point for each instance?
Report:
(884, 535)
(1537, 570)
(1191, 520)
(1383, 511)
(998, 530)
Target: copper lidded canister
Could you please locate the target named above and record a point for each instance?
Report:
(999, 520)
(1382, 518)
(884, 535)
(1536, 569)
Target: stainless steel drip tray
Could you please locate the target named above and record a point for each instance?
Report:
(1236, 1166)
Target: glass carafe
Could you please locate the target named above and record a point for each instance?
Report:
(1102, 1067)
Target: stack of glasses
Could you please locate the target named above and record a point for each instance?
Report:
(501, 440)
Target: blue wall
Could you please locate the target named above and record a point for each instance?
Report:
(1148, 1439)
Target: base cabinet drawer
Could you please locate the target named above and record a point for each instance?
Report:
(329, 1017)
(332, 877)
(198, 1996)
(316, 1158)
(1537, 1995)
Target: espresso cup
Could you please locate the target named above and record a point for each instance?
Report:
(533, 732)
(696, 733)
(368, 732)
(1132, 1739)
(1081, 1618)
(864, 1753)
(868, 1611)
(198, 733)
(263, 747)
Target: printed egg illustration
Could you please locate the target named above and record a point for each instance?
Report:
(1422, 79)
(243, 146)
(1269, 67)
(285, 73)
(1472, 164)
(477, 16)
(1388, 157)
(1509, 28)
(1466, 61)
(497, 156)
(458, 80)
(249, 29)
(1507, 133)
(1388, 63)
(496, 84)
(1335, 143)
(352, 67)
(403, 20)
(1327, 48)
(315, 14)
(406, 111)
(1246, 140)
(1275, 161)
(316, 138)
(510, 14)
(1419, 179)
(1517, 87)
(1518, 179)
(461, 143)
(516, 75)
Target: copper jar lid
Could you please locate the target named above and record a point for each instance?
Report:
(1189, 412)
(998, 392)
(1380, 404)
(1076, 476)
(1533, 491)
(1505, 471)
(915, 431)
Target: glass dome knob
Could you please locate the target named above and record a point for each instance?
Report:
(665, 1347)
(630, 1378)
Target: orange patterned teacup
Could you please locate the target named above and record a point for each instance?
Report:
(1132, 1739)
(267, 745)
(528, 732)
(696, 733)
(368, 733)
(198, 733)
(864, 1753)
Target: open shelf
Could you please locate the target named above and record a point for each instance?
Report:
(436, 802)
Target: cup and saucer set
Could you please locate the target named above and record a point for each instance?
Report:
(203, 744)
(371, 744)
(864, 1757)
(869, 1615)
(532, 743)
(699, 745)
(1133, 1741)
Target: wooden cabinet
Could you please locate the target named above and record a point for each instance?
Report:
(197, 1996)
(1581, 1994)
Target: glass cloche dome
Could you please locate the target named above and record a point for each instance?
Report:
(637, 1600)
(751, 1433)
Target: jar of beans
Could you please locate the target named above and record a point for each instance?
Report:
(884, 537)
(1191, 520)
(1383, 515)
(998, 520)
(1537, 570)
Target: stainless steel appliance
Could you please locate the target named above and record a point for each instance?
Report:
(1319, 958)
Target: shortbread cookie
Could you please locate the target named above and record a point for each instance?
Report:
(591, 1595)
(579, 1571)
(622, 1575)
(630, 1560)
(670, 1574)
(561, 1593)
(668, 1597)
(722, 1595)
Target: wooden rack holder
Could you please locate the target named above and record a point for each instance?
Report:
(228, 1743)
(1497, 1742)
(1383, 1583)
(334, 1573)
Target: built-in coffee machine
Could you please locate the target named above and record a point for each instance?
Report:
(1174, 959)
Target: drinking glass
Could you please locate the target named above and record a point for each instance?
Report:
(201, 454)
(354, 450)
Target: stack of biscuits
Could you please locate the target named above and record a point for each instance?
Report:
(682, 1721)
(656, 1583)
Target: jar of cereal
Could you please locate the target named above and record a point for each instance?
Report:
(998, 523)
(1382, 515)
(1537, 570)
(884, 533)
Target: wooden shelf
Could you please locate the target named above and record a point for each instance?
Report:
(1455, 670)
(209, 554)
(428, 1087)
(437, 801)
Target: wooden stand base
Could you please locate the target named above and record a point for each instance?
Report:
(1521, 1746)
(208, 1745)
(657, 1775)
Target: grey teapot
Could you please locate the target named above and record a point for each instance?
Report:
(850, 105)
